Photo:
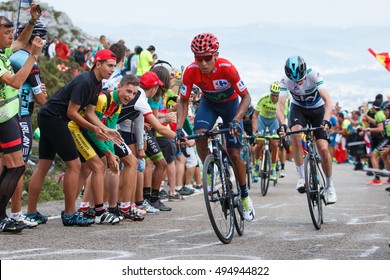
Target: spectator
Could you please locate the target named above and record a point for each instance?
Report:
(78, 55)
(133, 64)
(10, 134)
(51, 50)
(62, 50)
(88, 59)
(32, 90)
(145, 61)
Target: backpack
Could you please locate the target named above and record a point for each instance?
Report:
(128, 112)
(111, 109)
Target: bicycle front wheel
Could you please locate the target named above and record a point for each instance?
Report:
(265, 172)
(218, 199)
(238, 213)
(313, 191)
(248, 167)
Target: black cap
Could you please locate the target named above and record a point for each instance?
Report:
(377, 104)
(151, 48)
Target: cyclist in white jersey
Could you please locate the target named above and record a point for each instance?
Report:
(310, 102)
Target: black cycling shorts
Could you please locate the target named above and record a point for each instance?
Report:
(300, 115)
(10, 136)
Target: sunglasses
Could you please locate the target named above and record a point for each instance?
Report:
(206, 58)
(7, 25)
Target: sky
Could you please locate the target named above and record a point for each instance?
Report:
(217, 13)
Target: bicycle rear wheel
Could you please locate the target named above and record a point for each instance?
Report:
(218, 199)
(265, 172)
(313, 191)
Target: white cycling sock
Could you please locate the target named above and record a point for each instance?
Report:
(301, 171)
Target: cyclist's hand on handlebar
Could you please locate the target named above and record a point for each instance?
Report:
(235, 128)
(282, 130)
(326, 125)
(180, 135)
(252, 139)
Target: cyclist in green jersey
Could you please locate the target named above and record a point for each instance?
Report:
(264, 117)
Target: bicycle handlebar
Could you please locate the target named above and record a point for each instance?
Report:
(208, 133)
(204, 134)
(304, 130)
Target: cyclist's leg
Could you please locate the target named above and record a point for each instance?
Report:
(261, 127)
(27, 134)
(205, 119)
(316, 118)
(273, 126)
(297, 120)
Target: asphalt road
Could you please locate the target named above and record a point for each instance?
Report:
(355, 228)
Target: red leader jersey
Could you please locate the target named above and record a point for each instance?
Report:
(223, 84)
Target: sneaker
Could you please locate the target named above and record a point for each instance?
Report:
(199, 189)
(38, 217)
(107, 218)
(160, 206)
(387, 189)
(12, 226)
(175, 197)
(375, 182)
(163, 194)
(76, 219)
(186, 190)
(30, 223)
(301, 185)
(249, 211)
(131, 215)
(138, 210)
(282, 173)
(148, 208)
(330, 195)
(116, 212)
(273, 176)
(388, 181)
(255, 178)
(370, 173)
(88, 212)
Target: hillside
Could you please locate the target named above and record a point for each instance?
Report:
(58, 24)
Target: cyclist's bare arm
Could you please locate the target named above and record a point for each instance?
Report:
(255, 120)
(164, 130)
(328, 103)
(280, 109)
(243, 106)
(182, 111)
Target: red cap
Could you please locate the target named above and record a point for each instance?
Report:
(104, 55)
(149, 80)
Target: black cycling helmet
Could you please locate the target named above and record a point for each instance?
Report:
(39, 29)
(295, 68)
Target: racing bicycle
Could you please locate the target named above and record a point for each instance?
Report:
(222, 193)
(314, 176)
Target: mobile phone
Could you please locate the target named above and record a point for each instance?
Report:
(39, 9)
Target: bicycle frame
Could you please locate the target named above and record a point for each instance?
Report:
(314, 177)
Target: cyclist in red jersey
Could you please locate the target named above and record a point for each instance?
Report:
(221, 86)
